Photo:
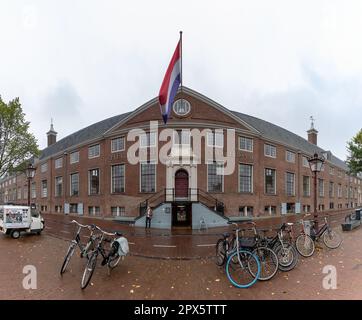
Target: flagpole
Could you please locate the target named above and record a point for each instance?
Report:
(181, 59)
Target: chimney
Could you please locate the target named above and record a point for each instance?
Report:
(312, 132)
(52, 135)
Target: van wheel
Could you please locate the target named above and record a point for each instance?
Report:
(15, 234)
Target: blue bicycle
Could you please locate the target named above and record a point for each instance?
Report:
(242, 265)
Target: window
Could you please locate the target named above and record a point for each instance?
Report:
(321, 207)
(148, 139)
(181, 137)
(44, 208)
(58, 163)
(73, 208)
(245, 178)
(331, 189)
(93, 181)
(19, 193)
(331, 170)
(215, 139)
(290, 207)
(331, 205)
(94, 211)
(44, 189)
(246, 144)
(246, 211)
(25, 192)
(214, 180)
(339, 190)
(305, 162)
(93, 151)
(58, 209)
(44, 167)
(148, 177)
(306, 208)
(270, 210)
(270, 151)
(321, 187)
(74, 184)
(290, 183)
(118, 178)
(306, 186)
(117, 144)
(58, 186)
(33, 190)
(74, 157)
(181, 107)
(290, 156)
(118, 211)
(270, 181)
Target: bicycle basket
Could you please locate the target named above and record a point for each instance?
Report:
(247, 242)
(123, 248)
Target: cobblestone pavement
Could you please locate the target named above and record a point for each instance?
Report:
(144, 278)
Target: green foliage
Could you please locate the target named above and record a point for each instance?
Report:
(17, 144)
(355, 153)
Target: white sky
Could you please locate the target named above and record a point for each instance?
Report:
(83, 61)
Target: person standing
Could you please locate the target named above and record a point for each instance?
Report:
(149, 214)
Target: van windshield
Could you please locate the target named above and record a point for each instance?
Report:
(34, 213)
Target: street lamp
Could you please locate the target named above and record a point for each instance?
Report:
(30, 173)
(316, 165)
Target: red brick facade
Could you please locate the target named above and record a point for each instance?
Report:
(204, 114)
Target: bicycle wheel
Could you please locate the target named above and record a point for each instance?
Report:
(287, 256)
(332, 239)
(268, 263)
(305, 245)
(89, 269)
(239, 273)
(113, 261)
(220, 252)
(67, 258)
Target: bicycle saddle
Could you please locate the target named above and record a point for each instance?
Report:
(117, 233)
(226, 234)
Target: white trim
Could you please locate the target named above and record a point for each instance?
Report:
(55, 186)
(99, 184)
(246, 150)
(275, 182)
(124, 144)
(270, 156)
(70, 184)
(286, 156)
(70, 157)
(207, 177)
(286, 184)
(94, 145)
(124, 178)
(140, 176)
(252, 178)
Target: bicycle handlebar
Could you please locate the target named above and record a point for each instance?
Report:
(80, 225)
(108, 233)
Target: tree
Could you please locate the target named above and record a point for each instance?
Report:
(354, 159)
(17, 144)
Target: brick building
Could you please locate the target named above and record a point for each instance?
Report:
(90, 172)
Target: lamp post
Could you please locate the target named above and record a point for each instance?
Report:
(30, 173)
(316, 165)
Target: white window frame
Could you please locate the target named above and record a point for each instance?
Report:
(124, 178)
(70, 184)
(58, 163)
(214, 134)
(290, 153)
(99, 182)
(252, 178)
(271, 147)
(309, 179)
(42, 166)
(118, 150)
(55, 187)
(246, 138)
(140, 176)
(94, 146)
(71, 157)
(207, 176)
(152, 142)
(286, 184)
(183, 132)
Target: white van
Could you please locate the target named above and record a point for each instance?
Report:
(17, 219)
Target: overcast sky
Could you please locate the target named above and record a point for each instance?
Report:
(83, 61)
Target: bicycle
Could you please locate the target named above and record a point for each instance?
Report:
(304, 243)
(284, 249)
(240, 262)
(77, 242)
(331, 238)
(110, 258)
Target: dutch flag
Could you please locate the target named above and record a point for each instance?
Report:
(170, 83)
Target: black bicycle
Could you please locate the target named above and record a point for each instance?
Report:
(84, 249)
(111, 257)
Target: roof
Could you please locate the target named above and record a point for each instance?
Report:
(274, 132)
(91, 132)
(266, 129)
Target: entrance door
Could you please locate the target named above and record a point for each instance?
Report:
(181, 214)
(181, 184)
